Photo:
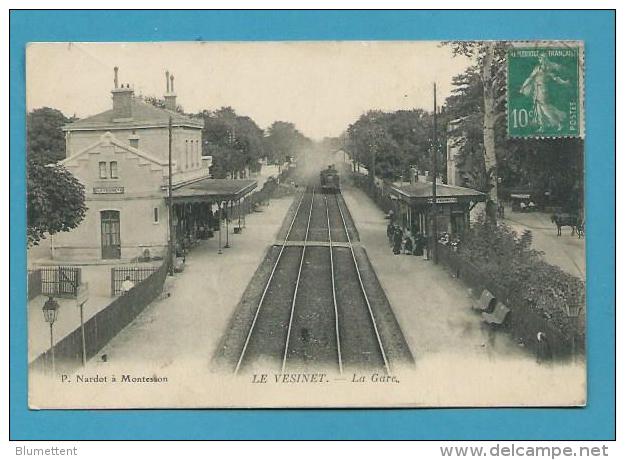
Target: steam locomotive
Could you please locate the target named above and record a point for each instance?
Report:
(330, 180)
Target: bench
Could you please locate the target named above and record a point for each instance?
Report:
(498, 316)
(486, 302)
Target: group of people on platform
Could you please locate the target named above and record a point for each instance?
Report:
(405, 242)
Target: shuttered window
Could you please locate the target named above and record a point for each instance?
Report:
(114, 172)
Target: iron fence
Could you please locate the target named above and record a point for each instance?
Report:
(60, 281)
(137, 274)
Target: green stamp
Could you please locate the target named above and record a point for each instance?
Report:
(543, 92)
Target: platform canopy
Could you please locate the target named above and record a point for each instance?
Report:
(214, 190)
(421, 193)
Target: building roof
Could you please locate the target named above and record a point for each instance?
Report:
(143, 115)
(422, 192)
(214, 190)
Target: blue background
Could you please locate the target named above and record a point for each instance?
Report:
(596, 421)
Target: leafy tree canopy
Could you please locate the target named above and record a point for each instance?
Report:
(284, 141)
(235, 142)
(55, 201)
(45, 140)
(160, 103)
(399, 140)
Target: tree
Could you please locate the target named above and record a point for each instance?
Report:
(394, 141)
(160, 103)
(235, 142)
(45, 141)
(490, 57)
(55, 201)
(465, 130)
(284, 141)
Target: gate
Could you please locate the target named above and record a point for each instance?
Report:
(60, 281)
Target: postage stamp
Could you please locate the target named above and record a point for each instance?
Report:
(544, 92)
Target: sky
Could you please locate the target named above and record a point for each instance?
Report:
(322, 87)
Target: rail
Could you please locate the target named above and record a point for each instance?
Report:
(262, 298)
(336, 310)
(362, 287)
(299, 274)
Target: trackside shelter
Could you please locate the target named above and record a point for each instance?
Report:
(199, 207)
(413, 207)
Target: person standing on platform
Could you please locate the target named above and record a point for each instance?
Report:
(390, 230)
(398, 237)
(418, 245)
(408, 245)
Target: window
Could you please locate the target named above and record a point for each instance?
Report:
(134, 142)
(103, 170)
(156, 215)
(114, 170)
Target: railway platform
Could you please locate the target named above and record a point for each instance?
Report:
(432, 308)
(188, 322)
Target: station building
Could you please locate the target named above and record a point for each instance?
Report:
(121, 156)
(414, 207)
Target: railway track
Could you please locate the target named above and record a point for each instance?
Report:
(360, 337)
(314, 312)
(266, 289)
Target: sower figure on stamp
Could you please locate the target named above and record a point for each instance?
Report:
(535, 86)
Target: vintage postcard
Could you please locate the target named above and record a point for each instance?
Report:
(306, 224)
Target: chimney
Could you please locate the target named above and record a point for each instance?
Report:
(170, 96)
(122, 100)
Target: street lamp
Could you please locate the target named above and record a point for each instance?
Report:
(50, 312)
(434, 176)
(572, 312)
(226, 217)
(220, 214)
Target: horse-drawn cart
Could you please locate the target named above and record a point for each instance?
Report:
(574, 221)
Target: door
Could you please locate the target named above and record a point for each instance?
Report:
(111, 242)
